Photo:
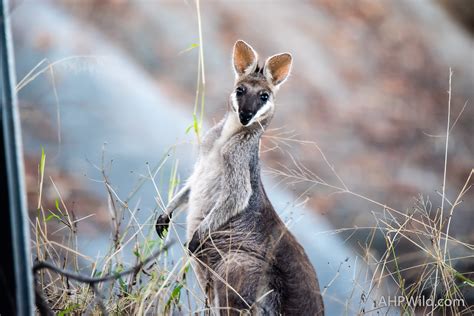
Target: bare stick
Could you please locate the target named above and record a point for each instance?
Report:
(444, 185)
(41, 304)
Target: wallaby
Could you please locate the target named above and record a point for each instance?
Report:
(245, 258)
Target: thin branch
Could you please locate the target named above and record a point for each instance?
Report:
(444, 183)
(40, 265)
(40, 302)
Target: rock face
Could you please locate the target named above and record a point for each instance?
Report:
(369, 87)
(107, 97)
(462, 11)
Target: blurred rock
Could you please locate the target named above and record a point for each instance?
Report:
(368, 86)
(462, 11)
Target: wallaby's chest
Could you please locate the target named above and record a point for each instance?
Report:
(206, 180)
(207, 177)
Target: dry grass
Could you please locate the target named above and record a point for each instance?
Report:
(154, 288)
(158, 287)
(423, 227)
(162, 286)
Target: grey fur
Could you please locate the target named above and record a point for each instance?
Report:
(244, 256)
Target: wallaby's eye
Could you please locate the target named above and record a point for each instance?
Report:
(240, 91)
(264, 96)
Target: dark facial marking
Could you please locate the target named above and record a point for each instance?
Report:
(240, 91)
(258, 70)
(251, 96)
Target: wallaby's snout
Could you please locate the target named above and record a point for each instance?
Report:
(253, 97)
(245, 117)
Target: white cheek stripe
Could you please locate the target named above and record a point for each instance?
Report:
(264, 109)
(234, 102)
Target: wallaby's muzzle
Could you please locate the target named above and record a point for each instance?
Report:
(245, 117)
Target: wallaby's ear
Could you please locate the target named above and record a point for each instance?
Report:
(277, 68)
(244, 58)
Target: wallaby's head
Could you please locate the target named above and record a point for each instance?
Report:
(255, 87)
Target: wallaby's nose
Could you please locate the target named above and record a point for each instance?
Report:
(245, 117)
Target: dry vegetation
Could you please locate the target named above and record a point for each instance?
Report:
(423, 226)
(73, 283)
(154, 284)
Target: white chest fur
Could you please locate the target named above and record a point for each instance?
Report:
(206, 181)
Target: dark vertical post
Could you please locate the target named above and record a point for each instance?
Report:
(15, 268)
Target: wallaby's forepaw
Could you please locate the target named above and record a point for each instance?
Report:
(162, 224)
(195, 243)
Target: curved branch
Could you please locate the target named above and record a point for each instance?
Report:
(41, 265)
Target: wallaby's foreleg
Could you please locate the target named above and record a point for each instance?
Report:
(181, 198)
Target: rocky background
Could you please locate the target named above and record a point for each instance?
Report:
(369, 87)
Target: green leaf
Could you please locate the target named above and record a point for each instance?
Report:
(195, 124)
(68, 310)
(176, 292)
(42, 162)
(464, 279)
(191, 47)
(188, 128)
(136, 253)
(52, 215)
(123, 285)
(175, 295)
(58, 208)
